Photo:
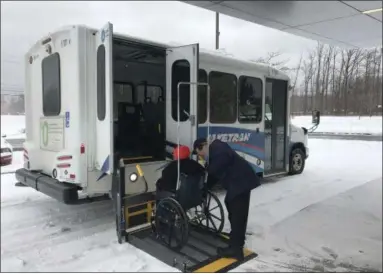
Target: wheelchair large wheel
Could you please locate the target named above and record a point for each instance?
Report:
(171, 223)
(209, 215)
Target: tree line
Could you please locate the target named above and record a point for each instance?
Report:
(335, 81)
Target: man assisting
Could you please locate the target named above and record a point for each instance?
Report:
(238, 179)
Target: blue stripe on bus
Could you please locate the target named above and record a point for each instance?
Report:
(104, 168)
(240, 139)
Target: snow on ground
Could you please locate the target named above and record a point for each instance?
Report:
(12, 124)
(334, 167)
(342, 124)
(342, 234)
(290, 224)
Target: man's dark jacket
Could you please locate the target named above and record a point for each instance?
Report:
(168, 180)
(230, 170)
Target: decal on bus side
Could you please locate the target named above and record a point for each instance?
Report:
(104, 34)
(231, 137)
(67, 118)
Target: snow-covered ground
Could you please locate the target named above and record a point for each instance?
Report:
(12, 126)
(341, 124)
(328, 218)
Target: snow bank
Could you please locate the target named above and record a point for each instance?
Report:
(343, 124)
(13, 126)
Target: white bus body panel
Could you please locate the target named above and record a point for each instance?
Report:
(47, 138)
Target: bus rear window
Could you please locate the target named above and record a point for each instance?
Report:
(101, 83)
(51, 85)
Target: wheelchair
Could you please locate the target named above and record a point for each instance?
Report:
(190, 206)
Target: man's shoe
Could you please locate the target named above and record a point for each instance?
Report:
(231, 252)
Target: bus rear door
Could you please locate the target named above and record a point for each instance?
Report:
(104, 101)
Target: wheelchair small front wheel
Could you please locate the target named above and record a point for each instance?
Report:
(171, 223)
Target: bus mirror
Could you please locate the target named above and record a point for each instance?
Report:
(316, 117)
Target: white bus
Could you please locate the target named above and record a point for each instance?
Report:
(93, 96)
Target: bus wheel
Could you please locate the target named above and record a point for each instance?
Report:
(297, 161)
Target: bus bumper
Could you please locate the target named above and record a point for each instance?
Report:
(63, 192)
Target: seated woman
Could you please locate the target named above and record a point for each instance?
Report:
(191, 172)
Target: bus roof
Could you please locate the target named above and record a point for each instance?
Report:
(214, 56)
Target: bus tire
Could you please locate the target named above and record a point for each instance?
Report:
(297, 161)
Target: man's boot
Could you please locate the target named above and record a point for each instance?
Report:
(231, 252)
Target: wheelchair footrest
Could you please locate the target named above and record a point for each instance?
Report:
(198, 255)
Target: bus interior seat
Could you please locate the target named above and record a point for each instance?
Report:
(160, 125)
(128, 123)
(152, 120)
(160, 113)
(148, 110)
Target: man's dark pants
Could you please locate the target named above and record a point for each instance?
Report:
(238, 211)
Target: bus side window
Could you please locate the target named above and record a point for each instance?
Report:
(202, 97)
(223, 98)
(101, 83)
(250, 100)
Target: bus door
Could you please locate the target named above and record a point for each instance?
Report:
(276, 157)
(104, 100)
(181, 77)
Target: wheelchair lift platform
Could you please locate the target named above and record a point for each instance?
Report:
(198, 255)
(134, 226)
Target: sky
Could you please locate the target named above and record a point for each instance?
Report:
(23, 23)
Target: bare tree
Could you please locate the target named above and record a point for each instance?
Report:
(308, 70)
(333, 91)
(319, 51)
(271, 60)
(326, 78)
